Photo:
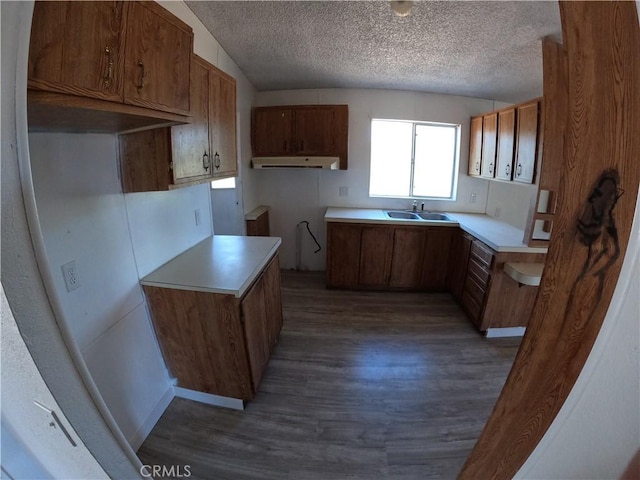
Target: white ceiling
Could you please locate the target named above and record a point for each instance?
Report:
(480, 49)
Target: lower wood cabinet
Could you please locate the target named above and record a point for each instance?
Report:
(215, 343)
(387, 257)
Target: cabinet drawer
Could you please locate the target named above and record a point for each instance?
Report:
(482, 253)
(475, 290)
(473, 308)
(479, 273)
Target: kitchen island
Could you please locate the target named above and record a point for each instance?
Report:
(217, 312)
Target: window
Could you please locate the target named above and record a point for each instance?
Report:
(224, 183)
(414, 159)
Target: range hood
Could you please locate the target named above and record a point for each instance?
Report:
(328, 163)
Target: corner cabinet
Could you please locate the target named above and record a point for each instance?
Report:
(301, 130)
(107, 66)
(216, 343)
(168, 158)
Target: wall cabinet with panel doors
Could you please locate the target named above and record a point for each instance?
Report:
(167, 158)
(506, 144)
(301, 130)
(385, 257)
(215, 343)
(475, 146)
(107, 66)
(489, 145)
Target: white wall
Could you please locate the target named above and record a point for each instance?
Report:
(296, 195)
(83, 218)
(510, 202)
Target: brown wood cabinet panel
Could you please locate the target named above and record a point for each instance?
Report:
(158, 58)
(489, 144)
(343, 254)
(202, 340)
(527, 143)
(435, 265)
(191, 154)
(313, 130)
(475, 146)
(482, 253)
(460, 250)
(144, 160)
(271, 131)
(406, 263)
(78, 48)
(259, 227)
(375, 256)
(506, 143)
(222, 123)
(273, 300)
(254, 319)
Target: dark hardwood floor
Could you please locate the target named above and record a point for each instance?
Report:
(362, 385)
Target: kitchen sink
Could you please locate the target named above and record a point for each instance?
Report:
(403, 215)
(441, 217)
(428, 216)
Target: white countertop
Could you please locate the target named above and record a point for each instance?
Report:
(226, 264)
(525, 273)
(498, 235)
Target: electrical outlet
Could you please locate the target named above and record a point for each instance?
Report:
(343, 191)
(473, 197)
(70, 275)
(196, 214)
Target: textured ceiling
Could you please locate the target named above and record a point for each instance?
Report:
(479, 49)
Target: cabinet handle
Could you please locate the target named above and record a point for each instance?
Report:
(519, 170)
(206, 162)
(216, 161)
(507, 169)
(107, 80)
(143, 75)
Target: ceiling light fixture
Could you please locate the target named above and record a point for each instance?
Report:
(401, 8)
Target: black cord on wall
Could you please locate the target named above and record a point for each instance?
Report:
(310, 233)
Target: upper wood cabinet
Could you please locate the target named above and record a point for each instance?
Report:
(475, 146)
(157, 59)
(527, 142)
(107, 66)
(300, 130)
(506, 143)
(489, 145)
(184, 155)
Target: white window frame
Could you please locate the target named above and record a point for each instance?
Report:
(456, 159)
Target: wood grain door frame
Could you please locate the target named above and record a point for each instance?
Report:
(597, 199)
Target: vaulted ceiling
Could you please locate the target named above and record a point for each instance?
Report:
(480, 49)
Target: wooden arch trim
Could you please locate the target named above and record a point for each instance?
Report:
(598, 125)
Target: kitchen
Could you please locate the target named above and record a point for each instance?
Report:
(168, 226)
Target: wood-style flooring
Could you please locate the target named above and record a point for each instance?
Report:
(361, 385)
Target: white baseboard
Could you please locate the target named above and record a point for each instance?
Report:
(143, 432)
(217, 400)
(505, 332)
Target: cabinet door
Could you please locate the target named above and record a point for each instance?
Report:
(475, 146)
(313, 131)
(343, 254)
(375, 256)
(489, 144)
(222, 124)
(77, 48)
(144, 160)
(192, 159)
(158, 57)
(436, 258)
(527, 143)
(460, 249)
(406, 262)
(273, 300)
(506, 142)
(271, 131)
(254, 318)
